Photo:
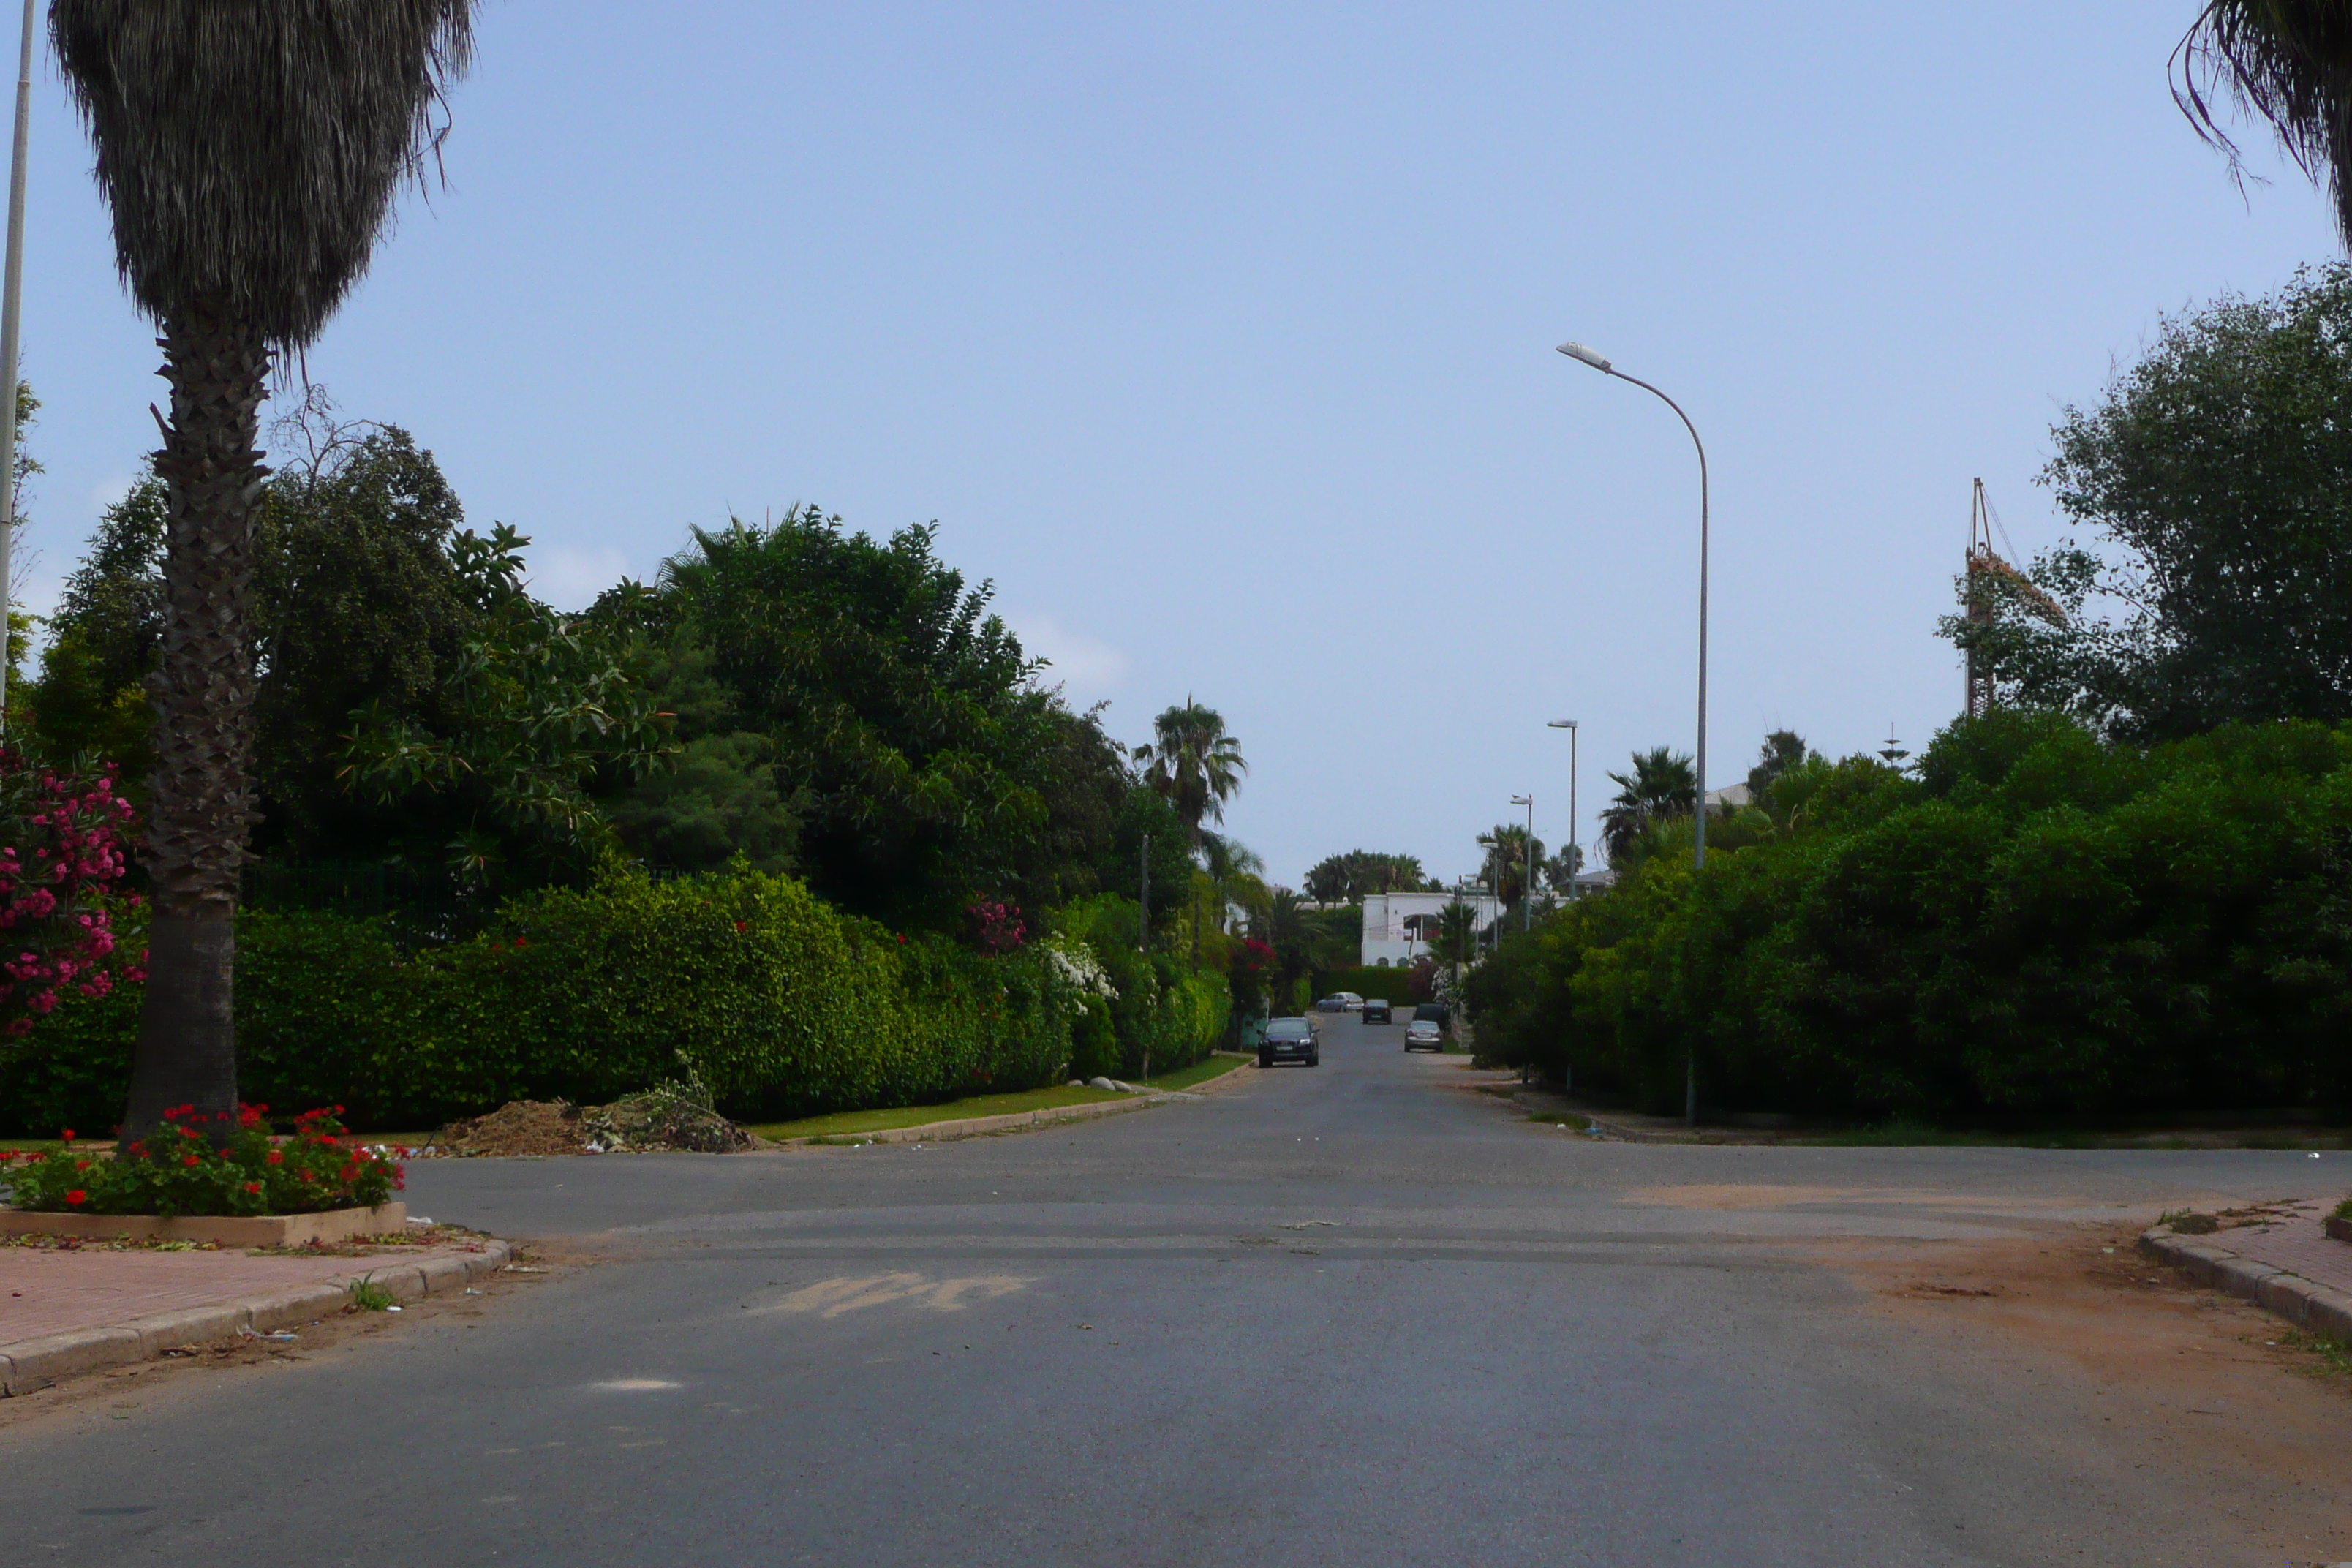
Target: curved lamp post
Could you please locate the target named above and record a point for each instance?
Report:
(1583, 355)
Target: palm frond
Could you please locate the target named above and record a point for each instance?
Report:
(250, 149)
(2286, 62)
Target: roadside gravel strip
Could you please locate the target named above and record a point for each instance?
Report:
(29, 1364)
(2303, 1302)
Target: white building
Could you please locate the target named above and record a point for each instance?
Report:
(1398, 927)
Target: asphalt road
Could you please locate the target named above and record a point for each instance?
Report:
(1355, 1314)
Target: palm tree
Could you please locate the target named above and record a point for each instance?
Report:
(1457, 934)
(2289, 61)
(249, 153)
(1662, 785)
(1506, 851)
(1194, 763)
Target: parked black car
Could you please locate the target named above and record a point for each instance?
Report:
(1376, 1010)
(1293, 1039)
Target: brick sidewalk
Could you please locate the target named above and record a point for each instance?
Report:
(44, 1293)
(2296, 1244)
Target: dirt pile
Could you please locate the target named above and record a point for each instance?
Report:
(519, 1127)
(669, 1116)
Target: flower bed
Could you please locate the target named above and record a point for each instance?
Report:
(180, 1170)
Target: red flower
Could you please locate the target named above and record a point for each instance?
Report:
(276, 1158)
(521, 942)
(77, 1196)
(67, 1136)
(253, 1186)
(192, 1159)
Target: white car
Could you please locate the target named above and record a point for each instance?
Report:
(1340, 1002)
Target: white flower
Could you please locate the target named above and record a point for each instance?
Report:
(1078, 968)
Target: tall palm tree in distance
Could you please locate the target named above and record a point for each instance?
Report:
(250, 150)
(1194, 763)
(2288, 61)
(1198, 766)
(1662, 785)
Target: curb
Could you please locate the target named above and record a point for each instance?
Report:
(1013, 1120)
(31, 1364)
(2290, 1296)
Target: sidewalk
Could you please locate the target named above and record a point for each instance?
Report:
(68, 1311)
(2282, 1260)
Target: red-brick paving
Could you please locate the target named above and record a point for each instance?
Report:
(44, 1292)
(2296, 1243)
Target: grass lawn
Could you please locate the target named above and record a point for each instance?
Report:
(848, 1123)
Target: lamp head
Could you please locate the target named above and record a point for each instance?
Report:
(1521, 800)
(1589, 356)
(1561, 724)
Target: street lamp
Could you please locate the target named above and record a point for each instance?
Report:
(1527, 876)
(1575, 855)
(1583, 355)
(11, 294)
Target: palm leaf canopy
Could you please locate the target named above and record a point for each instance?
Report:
(2288, 61)
(249, 149)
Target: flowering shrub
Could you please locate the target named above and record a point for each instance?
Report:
(180, 1171)
(61, 855)
(996, 928)
(1080, 974)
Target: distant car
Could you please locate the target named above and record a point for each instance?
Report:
(1434, 1013)
(1293, 1039)
(1423, 1034)
(1376, 1010)
(1339, 1001)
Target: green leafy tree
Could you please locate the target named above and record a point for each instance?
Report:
(904, 724)
(2217, 474)
(249, 154)
(1783, 751)
(1662, 785)
(359, 603)
(544, 704)
(106, 639)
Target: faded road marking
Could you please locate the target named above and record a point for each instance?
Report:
(850, 1293)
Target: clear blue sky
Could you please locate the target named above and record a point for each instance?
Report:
(1220, 336)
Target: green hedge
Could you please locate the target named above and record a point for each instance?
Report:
(1394, 983)
(781, 1003)
(2036, 923)
(1163, 1009)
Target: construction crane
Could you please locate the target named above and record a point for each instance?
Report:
(1986, 572)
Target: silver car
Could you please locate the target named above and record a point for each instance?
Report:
(1424, 1035)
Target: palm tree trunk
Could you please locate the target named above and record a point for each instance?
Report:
(203, 800)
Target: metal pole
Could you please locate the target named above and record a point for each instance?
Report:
(11, 295)
(1576, 855)
(1527, 883)
(1698, 850)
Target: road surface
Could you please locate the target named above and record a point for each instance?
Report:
(1358, 1314)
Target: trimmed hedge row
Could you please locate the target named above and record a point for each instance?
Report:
(783, 1005)
(2036, 923)
(1394, 983)
(1164, 1011)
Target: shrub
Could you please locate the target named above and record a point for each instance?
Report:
(2039, 923)
(781, 1003)
(1162, 1012)
(180, 1170)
